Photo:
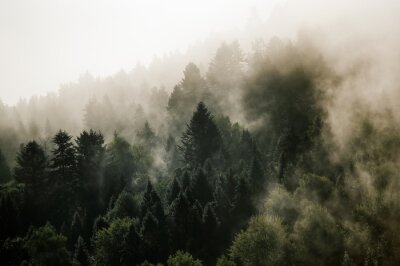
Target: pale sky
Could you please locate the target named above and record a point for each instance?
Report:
(46, 43)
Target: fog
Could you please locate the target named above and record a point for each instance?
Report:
(48, 43)
(273, 125)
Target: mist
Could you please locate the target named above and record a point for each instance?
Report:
(271, 128)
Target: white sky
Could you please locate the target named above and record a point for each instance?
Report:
(45, 43)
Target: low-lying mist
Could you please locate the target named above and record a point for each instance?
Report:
(302, 148)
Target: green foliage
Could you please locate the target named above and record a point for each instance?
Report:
(257, 178)
(146, 135)
(181, 258)
(46, 247)
(201, 140)
(124, 206)
(63, 162)
(317, 237)
(202, 190)
(5, 173)
(117, 244)
(31, 165)
(262, 243)
(173, 191)
(282, 204)
(225, 261)
(13, 252)
(10, 216)
(81, 254)
(120, 166)
(316, 188)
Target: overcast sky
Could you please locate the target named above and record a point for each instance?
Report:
(45, 43)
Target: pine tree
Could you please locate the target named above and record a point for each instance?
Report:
(64, 178)
(152, 203)
(185, 182)
(180, 210)
(146, 135)
(256, 176)
(124, 206)
(242, 204)
(81, 254)
(31, 165)
(90, 154)
(63, 163)
(231, 184)
(5, 174)
(76, 229)
(31, 170)
(120, 167)
(174, 190)
(210, 231)
(154, 237)
(10, 217)
(201, 140)
(200, 187)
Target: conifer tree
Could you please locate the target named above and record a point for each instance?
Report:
(152, 203)
(63, 163)
(201, 140)
(173, 191)
(256, 176)
(243, 208)
(5, 173)
(31, 165)
(180, 210)
(120, 167)
(81, 254)
(200, 187)
(90, 154)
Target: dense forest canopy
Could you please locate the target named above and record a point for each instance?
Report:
(282, 154)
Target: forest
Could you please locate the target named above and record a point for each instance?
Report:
(257, 158)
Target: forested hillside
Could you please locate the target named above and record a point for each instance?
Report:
(257, 159)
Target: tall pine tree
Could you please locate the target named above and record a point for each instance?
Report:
(201, 140)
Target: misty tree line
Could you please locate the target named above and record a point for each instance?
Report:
(175, 182)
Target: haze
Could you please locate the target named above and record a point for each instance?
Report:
(47, 43)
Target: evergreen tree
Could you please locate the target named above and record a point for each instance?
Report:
(242, 204)
(46, 247)
(31, 165)
(76, 229)
(152, 203)
(117, 244)
(9, 220)
(31, 170)
(185, 182)
(256, 176)
(154, 237)
(63, 163)
(5, 174)
(81, 254)
(146, 135)
(125, 206)
(180, 210)
(210, 231)
(231, 184)
(201, 140)
(225, 69)
(133, 251)
(64, 181)
(100, 223)
(200, 187)
(120, 167)
(90, 153)
(222, 204)
(181, 258)
(174, 190)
